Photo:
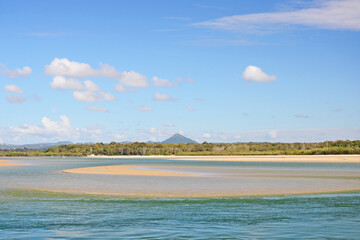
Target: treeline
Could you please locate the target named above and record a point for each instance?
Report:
(140, 148)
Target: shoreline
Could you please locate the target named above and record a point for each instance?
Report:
(191, 196)
(247, 158)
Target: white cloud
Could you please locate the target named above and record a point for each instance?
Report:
(92, 93)
(158, 82)
(134, 79)
(162, 97)
(108, 96)
(207, 135)
(118, 136)
(1, 141)
(60, 82)
(91, 86)
(13, 99)
(98, 109)
(190, 108)
(24, 72)
(145, 109)
(272, 134)
(253, 73)
(48, 128)
(66, 68)
(120, 88)
(13, 89)
(87, 96)
(332, 14)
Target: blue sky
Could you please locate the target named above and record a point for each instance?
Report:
(216, 71)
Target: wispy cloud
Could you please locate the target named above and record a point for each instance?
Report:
(217, 42)
(158, 82)
(333, 14)
(163, 97)
(97, 109)
(15, 100)
(301, 116)
(13, 89)
(145, 109)
(190, 108)
(24, 72)
(208, 6)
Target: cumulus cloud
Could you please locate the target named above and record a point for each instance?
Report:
(134, 79)
(87, 92)
(13, 89)
(120, 88)
(254, 73)
(332, 14)
(98, 109)
(162, 97)
(24, 72)
(47, 128)
(66, 68)
(60, 83)
(158, 82)
(52, 130)
(14, 100)
(145, 109)
(87, 96)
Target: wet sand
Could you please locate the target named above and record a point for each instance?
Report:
(132, 170)
(265, 158)
(5, 163)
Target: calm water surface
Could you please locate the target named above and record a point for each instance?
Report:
(32, 214)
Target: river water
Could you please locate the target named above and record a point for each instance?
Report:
(38, 201)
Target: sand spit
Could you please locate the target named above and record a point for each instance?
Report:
(132, 170)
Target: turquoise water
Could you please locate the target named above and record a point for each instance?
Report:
(31, 214)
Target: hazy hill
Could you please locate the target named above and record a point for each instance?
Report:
(178, 138)
(32, 146)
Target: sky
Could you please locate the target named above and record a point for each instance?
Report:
(212, 70)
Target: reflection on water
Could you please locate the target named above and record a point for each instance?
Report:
(29, 214)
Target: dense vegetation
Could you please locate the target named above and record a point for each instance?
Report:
(140, 148)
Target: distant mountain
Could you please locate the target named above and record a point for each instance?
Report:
(35, 146)
(178, 138)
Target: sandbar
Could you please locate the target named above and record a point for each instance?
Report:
(5, 163)
(257, 158)
(133, 170)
